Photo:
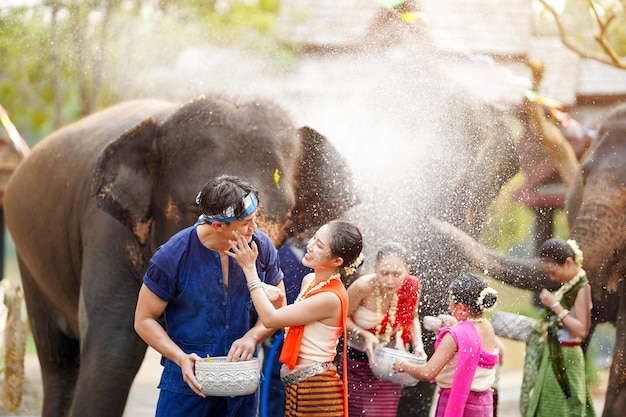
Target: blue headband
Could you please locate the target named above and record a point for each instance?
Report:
(250, 203)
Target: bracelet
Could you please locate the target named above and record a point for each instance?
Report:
(356, 330)
(400, 365)
(254, 284)
(554, 305)
(562, 314)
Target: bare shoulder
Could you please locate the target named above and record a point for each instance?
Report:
(584, 295)
(307, 278)
(362, 283)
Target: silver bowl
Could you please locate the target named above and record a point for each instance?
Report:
(382, 367)
(513, 326)
(219, 378)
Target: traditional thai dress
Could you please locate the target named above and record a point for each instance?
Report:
(315, 389)
(560, 387)
(465, 383)
(367, 394)
(203, 317)
(273, 396)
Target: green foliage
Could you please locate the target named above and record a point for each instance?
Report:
(24, 81)
(508, 223)
(48, 79)
(510, 226)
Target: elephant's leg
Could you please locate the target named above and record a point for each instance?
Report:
(110, 362)
(57, 349)
(615, 401)
(111, 351)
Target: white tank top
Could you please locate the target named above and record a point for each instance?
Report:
(483, 379)
(319, 342)
(366, 318)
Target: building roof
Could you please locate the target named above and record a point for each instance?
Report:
(500, 30)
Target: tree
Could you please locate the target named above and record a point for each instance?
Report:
(608, 18)
(60, 58)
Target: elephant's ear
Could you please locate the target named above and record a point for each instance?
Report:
(122, 182)
(324, 186)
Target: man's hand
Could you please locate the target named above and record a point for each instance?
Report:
(187, 363)
(242, 349)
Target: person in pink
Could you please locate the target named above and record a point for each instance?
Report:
(466, 353)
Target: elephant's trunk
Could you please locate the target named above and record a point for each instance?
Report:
(521, 273)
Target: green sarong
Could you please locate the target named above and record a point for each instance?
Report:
(547, 398)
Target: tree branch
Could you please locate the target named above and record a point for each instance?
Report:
(610, 56)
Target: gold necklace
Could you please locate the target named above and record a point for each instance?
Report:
(478, 320)
(392, 317)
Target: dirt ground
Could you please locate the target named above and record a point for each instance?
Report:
(143, 395)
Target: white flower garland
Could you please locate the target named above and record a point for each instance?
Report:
(310, 288)
(481, 298)
(351, 269)
(578, 254)
(569, 284)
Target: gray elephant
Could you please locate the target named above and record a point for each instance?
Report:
(94, 200)
(596, 209)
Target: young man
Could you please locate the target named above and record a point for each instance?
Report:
(205, 301)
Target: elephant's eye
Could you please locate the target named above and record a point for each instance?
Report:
(191, 214)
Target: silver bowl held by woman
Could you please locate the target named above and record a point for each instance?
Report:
(382, 368)
(219, 378)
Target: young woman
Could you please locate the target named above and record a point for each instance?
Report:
(560, 386)
(316, 319)
(465, 353)
(382, 310)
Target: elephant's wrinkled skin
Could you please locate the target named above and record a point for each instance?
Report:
(94, 200)
(596, 208)
(597, 213)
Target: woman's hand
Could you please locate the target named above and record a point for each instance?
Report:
(243, 253)
(419, 352)
(371, 344)
(547, 298)
(397, 365)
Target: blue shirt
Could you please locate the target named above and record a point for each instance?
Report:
(201, 316)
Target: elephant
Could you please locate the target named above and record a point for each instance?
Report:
(596, 212)
(94, 200)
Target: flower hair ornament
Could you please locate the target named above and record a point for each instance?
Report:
(578, 254)
(351, 269)
(481, 298)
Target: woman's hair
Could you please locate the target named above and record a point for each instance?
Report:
(393, 249)
(223, 192)
(556, 250)
(346, 242)
(472, 291)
